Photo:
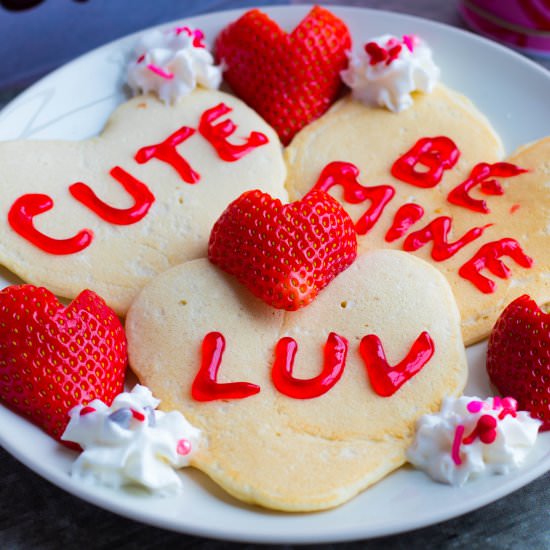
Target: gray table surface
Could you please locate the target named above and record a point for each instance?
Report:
(36, 514)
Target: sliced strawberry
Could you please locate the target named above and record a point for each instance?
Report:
(289, 79)
(54, 357)
(284, 254)
(518, 357)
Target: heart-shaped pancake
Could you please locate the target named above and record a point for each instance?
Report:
(282, 451)
(111, 212)
(434, 174)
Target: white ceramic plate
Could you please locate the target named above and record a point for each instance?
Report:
(74, 103)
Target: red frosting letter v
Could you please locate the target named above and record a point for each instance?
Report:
(386, 380)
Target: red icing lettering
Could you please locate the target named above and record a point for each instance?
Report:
(437, 154)
(345, 174)
(217, 134)
(336, 348)
(404, 218)
(166, 152)
(20, 218)
(437, 231)
(205, 387)
(479, 175)
(386, 380)
(488, 257)
(120, 216)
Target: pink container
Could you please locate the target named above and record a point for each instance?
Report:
(521, 24)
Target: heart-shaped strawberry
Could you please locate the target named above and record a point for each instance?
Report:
(54, 357)
(284, 254)
(289, 79)
(518, 357)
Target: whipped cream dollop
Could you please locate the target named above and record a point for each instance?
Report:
(472, 437)
(388, 69)
(172, 64)
(131, 443)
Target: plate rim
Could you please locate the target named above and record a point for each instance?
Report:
(63, 481)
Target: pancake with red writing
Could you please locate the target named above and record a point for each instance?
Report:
(433, 180)
(111, 212)
(271, 439)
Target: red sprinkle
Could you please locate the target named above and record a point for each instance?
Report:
(485, 429)
(375, 52)
(474, 406)
(86, 410)
(137, 415)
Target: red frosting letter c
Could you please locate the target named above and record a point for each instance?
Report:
(21, 215)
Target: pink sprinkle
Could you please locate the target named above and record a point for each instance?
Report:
(455, 451)
(184, 447)
(137, 415)
(497, 403)
(408, 40)
(161, 72)
(185, 29)
(509, 407)
(198, 36)
(392, 42)
(86, 410)
(474, 406)
(510, 403)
